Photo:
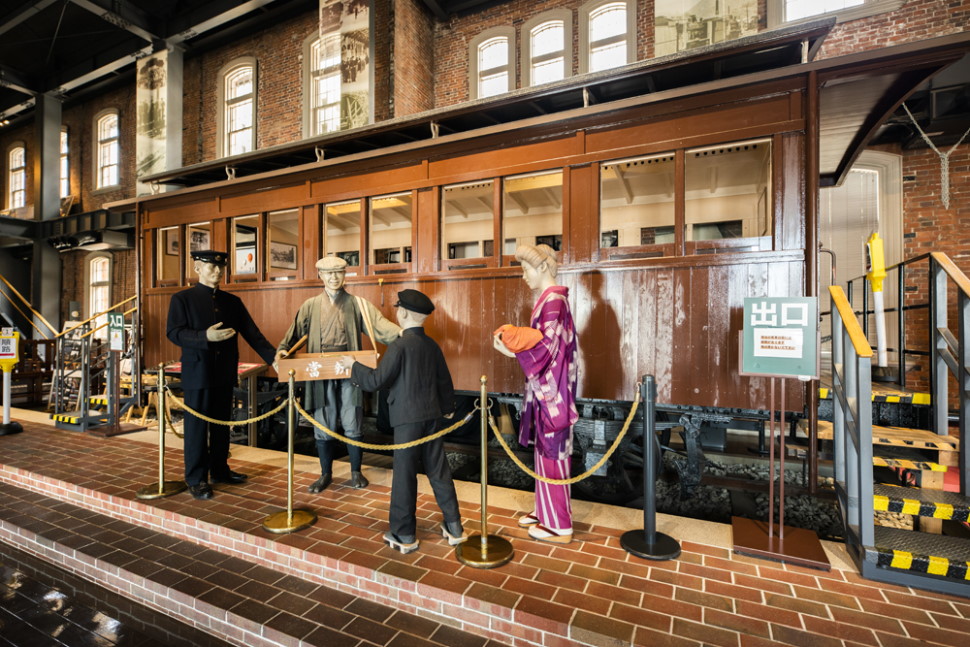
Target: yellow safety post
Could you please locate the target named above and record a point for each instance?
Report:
(163, 488)
(484, 551)
(876, 274)
(9, 356)
(290, 520)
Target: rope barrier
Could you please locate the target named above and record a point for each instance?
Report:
(584, 475)
(231, 423)
(372, 446)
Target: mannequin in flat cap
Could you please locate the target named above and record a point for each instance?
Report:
(546, 351)
(332, 322)
(204, 320)
(420, 392)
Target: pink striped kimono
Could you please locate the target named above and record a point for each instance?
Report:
(549, 411)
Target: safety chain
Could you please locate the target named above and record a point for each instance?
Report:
(372, 446)
(231, 423)
(584, 475)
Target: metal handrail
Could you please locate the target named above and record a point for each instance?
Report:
(95, 316)
(29, 307)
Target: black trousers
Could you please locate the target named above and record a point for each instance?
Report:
(207, 446)
(404, 484)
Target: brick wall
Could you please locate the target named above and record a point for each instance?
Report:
(75, 277)
(412, 63)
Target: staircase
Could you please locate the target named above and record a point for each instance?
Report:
(922, 557)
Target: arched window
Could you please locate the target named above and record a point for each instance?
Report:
(109, 150)
(323, 85)
(65, 166)
(607, 37)
(17, 177)
(490, 63)
(237, 117)
(99, 290)
(547, 48)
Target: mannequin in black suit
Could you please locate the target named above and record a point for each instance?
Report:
(419, 392)
(204, 320)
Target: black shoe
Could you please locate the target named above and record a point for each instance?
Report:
(320, 484)
(201, 490)
(357, 480)
(233, 478)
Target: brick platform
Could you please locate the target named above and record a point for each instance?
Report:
(590, 592)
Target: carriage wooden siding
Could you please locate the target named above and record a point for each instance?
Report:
(675, 316)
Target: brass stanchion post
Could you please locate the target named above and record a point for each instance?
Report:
(290, 520)
(163, 488)
(484, 551)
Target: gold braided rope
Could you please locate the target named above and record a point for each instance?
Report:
(231, 423)
(584, 475)
(363, 445)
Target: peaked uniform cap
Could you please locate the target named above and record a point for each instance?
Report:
(332, 264)
(415, 301)
(209, 256)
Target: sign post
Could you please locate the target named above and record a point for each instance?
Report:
(779, 340)
(9, 356)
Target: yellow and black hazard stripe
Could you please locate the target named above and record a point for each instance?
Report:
(929, 564)
(901, 398)
(99, 399)
(905, 464)
(64, 417)
(933, 509)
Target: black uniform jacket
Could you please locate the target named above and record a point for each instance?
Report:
(414, 372)
(205, 363)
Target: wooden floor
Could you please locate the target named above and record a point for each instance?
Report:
(69, 497)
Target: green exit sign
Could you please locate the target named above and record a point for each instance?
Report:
(780, 337)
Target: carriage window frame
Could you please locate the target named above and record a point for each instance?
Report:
(405, 263)
(254, 247)
(189, 246)
(640, 250)
(283, 260)
(489, 251)
(347, 255)
(758, 243)
(168, 247)
(508, 245)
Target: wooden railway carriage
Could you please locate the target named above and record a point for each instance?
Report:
(675, 188)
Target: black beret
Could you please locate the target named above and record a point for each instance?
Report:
(209, 256)
(415, 301)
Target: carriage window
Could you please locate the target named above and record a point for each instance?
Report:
(198, 237)
(342, 231)
(245, 242)
(283, 240)
(167, 253)
(532, 210)
(467, 220)
(728, 193)
(390, 230)
(637, 201)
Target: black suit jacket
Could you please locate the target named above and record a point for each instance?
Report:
(414, 372)
(205, 363)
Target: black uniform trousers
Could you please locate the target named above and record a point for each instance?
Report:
(207, 446)
(404, 486)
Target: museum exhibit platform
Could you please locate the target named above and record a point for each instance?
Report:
(69, 498)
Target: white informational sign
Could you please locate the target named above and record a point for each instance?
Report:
(116, 331)
(8, 347)
(778, 342)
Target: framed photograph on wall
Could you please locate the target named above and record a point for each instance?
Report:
(198, 239)
(245, 260)
(282, 256)
(172, 242)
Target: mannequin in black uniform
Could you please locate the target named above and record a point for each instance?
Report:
(204, 320)
(419, 392)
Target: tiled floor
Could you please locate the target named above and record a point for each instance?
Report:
(590, 592)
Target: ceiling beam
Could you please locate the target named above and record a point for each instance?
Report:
(135, 21)
(10, 78)
(217, 20)
(32, 9)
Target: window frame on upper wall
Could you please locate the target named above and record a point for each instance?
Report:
(585, 12)
(107, 144)
(223, 139)
(474, 73)
(21, 173)
(776, 12)
(565, 16)
(105, 285)
(64, 164)
(310, 75)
